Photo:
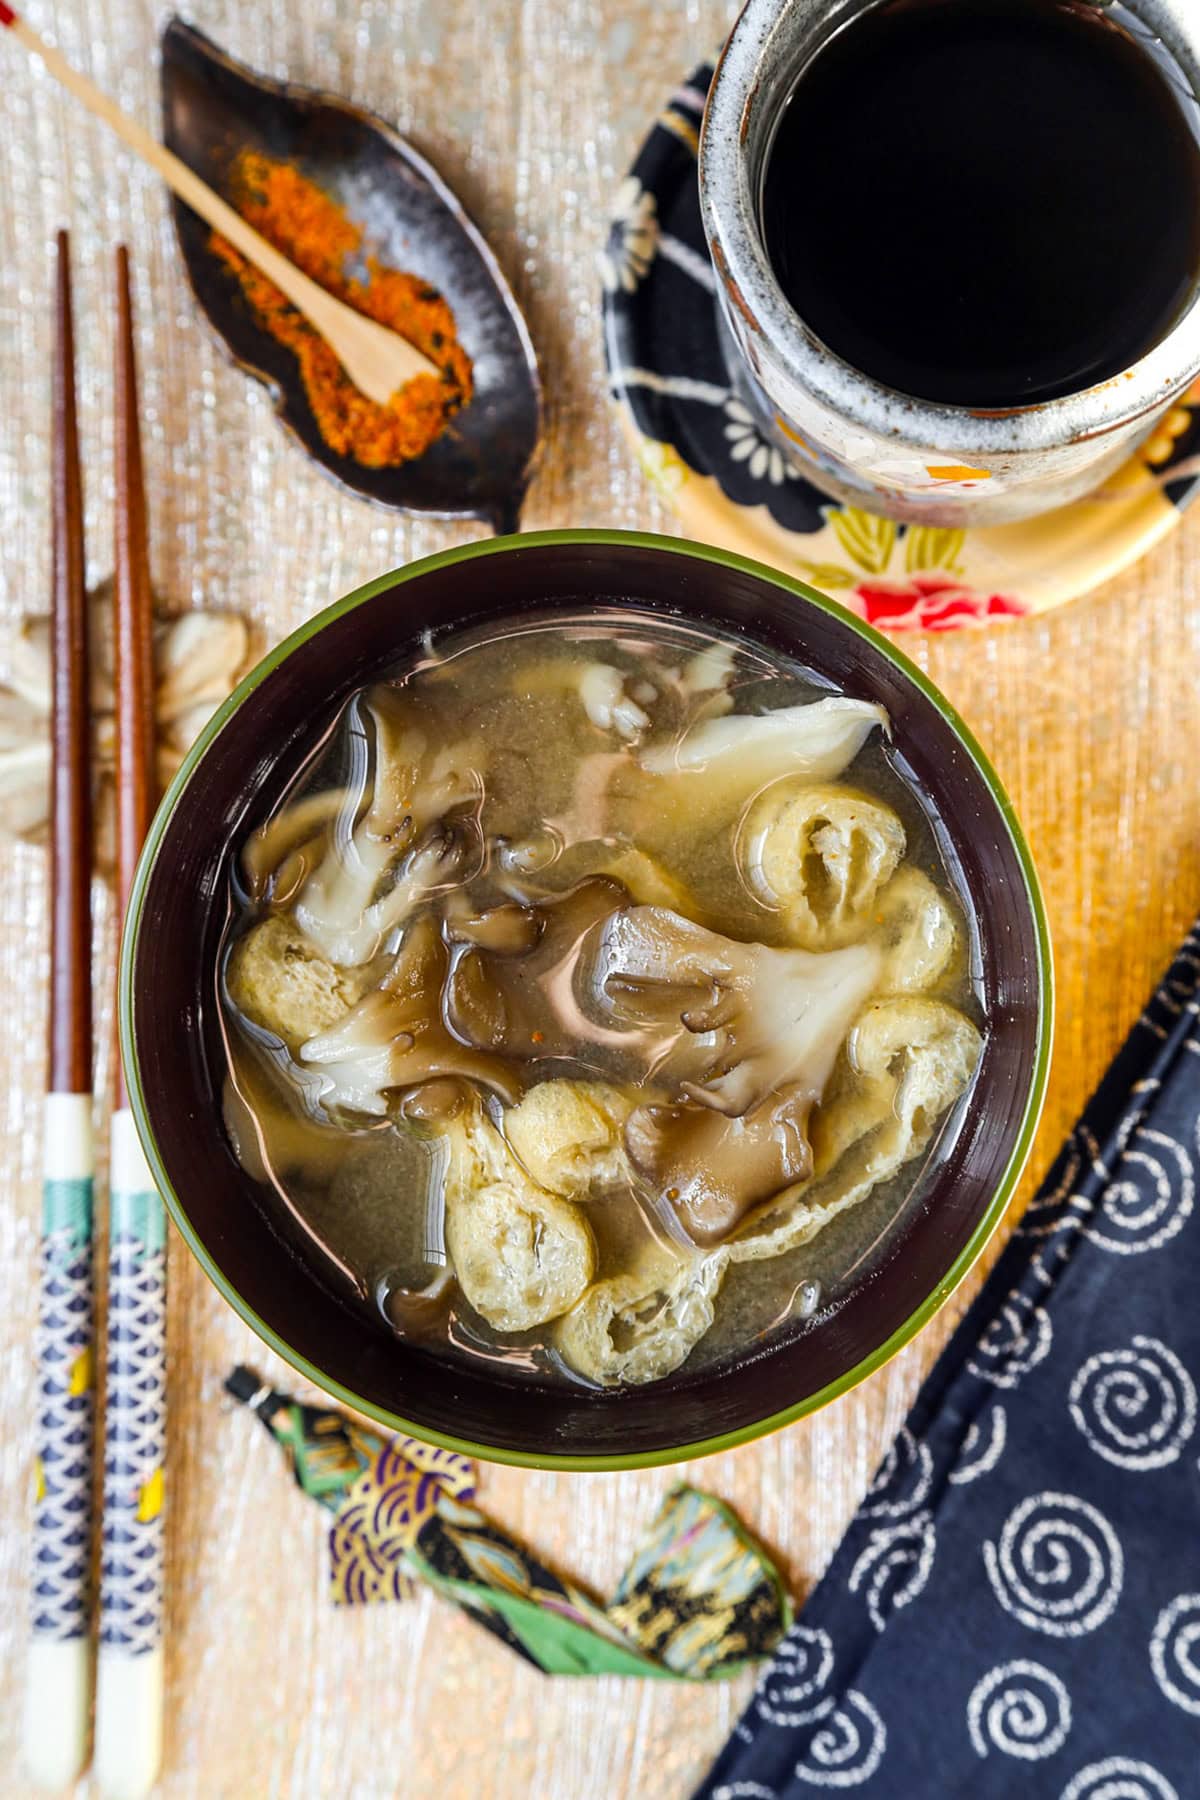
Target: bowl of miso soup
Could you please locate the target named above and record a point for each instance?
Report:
(586, 999)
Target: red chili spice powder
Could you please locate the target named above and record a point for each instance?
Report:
(301, 220)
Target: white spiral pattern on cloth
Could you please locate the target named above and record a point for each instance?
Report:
(1175, 1654)
(848, 1739)
(1119, 1778)
(745, 1790)
(1173, 995)
(902, 1480)
(793, 1686)
(1059, 1242)
(973, 1462)
(1058, 1567)
(1135, 1406)
(849, 1746)
(895, 1566)
(1149, 1199)
(1054, 1219)
(1015, 1341)
(1021, 1708)
(1041, 1215)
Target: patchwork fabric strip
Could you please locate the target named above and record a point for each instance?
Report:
(700, 1600)
(1016, 1606)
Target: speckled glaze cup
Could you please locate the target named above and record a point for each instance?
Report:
(175, 1056)
(860, 441)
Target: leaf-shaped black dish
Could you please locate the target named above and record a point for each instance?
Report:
(213, 109)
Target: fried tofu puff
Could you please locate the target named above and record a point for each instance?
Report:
(644, 1324)
(917, 931)
(639, 1325)
(908, 1061)
(821, 855)
(569, 1135)
(278, 979)
(522, 1255)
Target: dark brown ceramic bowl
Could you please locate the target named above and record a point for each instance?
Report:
(172, 1043)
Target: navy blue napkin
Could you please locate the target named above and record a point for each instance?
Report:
(1015, 1608)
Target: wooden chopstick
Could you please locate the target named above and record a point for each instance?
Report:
(58, 1698)
(71, 800)
(137, 787)
(129, 1683)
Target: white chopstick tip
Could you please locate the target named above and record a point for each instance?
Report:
(58, 1702)
(129, 1715)
(68, 1154)
(129, 1171)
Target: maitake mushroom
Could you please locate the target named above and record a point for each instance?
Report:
(741, 1019)
(683, 786)
(407, 827)
(396, 1038)
(524, 1005)
(747, 1035)
(816, 741)
(608, 704)
(199, 658)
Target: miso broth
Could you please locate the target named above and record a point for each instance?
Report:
(596, 998)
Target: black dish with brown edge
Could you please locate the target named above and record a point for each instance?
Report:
(175, 1058)
(213, 109)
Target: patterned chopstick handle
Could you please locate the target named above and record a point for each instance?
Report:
(58, 1697)
(129, 1677)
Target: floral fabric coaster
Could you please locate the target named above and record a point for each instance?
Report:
(731, 484)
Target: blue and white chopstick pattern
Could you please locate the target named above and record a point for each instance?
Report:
(58, 1696)
(129, 1677)
(63, 1506)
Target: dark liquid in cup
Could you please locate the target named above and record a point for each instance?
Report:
(987, 203)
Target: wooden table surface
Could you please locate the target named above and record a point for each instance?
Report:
(533, 109)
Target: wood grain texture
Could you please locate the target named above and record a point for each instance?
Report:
(136, 787)
(533, 110)
(70, 1032)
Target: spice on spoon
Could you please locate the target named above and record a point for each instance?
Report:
(309, 227)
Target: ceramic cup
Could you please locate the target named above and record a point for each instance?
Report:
(858, 440)
(175, 1057)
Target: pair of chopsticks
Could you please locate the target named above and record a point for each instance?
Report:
(129, 1670)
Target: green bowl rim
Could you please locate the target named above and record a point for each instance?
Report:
(597, 539)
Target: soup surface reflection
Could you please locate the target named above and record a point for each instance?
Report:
(596, 998)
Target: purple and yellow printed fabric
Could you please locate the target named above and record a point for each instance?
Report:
(699, 1600)
(383, 1513)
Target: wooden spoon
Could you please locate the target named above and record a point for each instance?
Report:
(378, 361)
(217, 113)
